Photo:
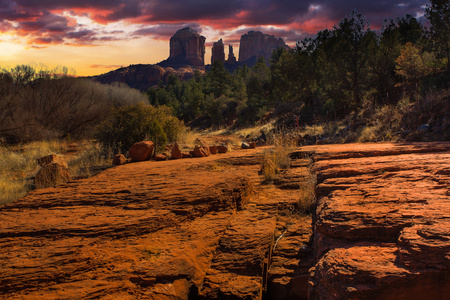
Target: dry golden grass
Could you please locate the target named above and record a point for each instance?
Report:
(277, 159)
(19, 166)
(256, 130)
(188, 137)
(308, 195)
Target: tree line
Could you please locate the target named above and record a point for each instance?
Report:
(330, 75)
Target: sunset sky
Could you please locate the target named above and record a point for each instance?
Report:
(96, 36)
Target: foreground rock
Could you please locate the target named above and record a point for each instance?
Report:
(147, 235)
(141, 151)
(54, 171)
(382, 222)
(176, 229)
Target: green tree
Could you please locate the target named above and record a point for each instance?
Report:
(354, 44)
(413, 64)
(438, 13)
(134, 123)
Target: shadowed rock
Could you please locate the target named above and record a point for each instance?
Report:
(257, 44)
(187, 45)
(218, 52)
(382, 220)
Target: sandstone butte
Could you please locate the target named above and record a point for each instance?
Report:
(208, 228)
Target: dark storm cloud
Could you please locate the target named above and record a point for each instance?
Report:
(46, 22)
(161, 18)
(165, 31)
(374, 11)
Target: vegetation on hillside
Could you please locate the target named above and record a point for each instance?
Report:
(348, 70)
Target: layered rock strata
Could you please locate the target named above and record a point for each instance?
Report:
(382, 222)
(187, 45)
(174, 229)
(257, 44)
(218, 52)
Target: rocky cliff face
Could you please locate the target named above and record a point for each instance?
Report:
(256, 43)
(218, 52)
(231, 58)
(189, 46)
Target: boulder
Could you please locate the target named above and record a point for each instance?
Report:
(186, 45)
(176, 152)
(201, 151)
(213, 149)
(185, 155)
(222, 149)
(255, 43)
(218, 52)
(119, 159)
(252, 145)
(141, 151)
(51, 175)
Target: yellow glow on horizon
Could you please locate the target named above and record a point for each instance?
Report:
(86, 60)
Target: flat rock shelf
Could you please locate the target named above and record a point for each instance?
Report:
(210, 228)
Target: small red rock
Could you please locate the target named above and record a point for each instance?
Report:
(213, 149)
(176, 152)
(160, 157)
(222, 149)
(119, 159)
(252, 145)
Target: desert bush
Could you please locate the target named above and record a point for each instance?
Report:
(130, 124)
(277, 159)
(307, 197)
(36, 105)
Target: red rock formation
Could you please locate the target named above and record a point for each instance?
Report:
(188, 45)
(159, 230)
(53, 172)
(218, 52)
(200, 151)
(231, 58)
(255, 43)
(141, 151)
(175, 152)
(382, 222)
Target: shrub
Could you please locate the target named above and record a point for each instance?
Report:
(130, 124)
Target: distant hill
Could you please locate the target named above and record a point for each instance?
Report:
(144, 76)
